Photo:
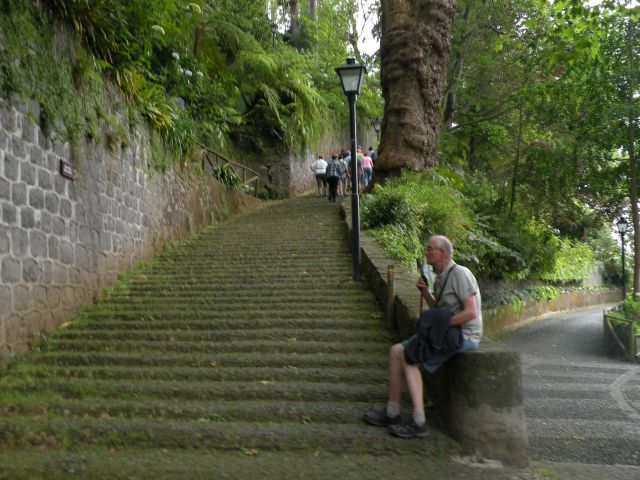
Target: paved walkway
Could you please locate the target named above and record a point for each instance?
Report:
(581, 406)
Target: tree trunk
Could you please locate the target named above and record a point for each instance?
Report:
(451, 100)
(516, 166)
(414, 50)
(294, 29)
(313, 4)
(633, 164)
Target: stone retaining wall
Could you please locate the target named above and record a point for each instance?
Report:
(62, 240)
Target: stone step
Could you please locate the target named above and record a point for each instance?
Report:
(77, 433)
(213, 373)
(170, 359)
(291, 346)
(338, 326)
(165, 335)
(242, 258)
(86, 389)
(306, 281)
(113, 463)
(241, 313)
(245, 299)
(231, 291)
(220, 411)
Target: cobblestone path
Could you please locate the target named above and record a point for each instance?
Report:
(581, 406)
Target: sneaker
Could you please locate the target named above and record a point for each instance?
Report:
(379, 418)
(409, 430)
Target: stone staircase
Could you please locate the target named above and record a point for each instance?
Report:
(250, 343)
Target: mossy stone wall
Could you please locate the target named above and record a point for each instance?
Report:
(62, 240)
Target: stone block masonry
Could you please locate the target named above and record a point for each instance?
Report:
(62, 240)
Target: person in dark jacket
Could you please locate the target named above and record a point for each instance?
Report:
(456, 291)
(332, 173)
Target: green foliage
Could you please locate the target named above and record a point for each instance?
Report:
(225, 174)
(630, 308)
(573, 263)
(270, 192)
(386, 207)
(54, 79)
(400, 243)
(197, 72)
(406, 211)
(517, 297)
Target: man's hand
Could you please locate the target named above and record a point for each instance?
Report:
(421, 284)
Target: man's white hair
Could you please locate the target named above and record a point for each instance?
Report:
(444, 244)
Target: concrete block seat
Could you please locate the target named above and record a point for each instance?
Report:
(479, 396)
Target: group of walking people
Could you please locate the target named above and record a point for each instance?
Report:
(333, 176)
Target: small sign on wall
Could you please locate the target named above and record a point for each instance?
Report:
(67, 170)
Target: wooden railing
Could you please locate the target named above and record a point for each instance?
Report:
(250, 178)
(629, 346)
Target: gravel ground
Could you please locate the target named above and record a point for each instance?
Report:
(583, 408)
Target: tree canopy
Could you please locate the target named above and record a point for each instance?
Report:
(537, 106)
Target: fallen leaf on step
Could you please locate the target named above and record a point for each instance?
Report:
(250, 451)
(214, 363)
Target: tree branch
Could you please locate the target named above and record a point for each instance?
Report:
(484, 119)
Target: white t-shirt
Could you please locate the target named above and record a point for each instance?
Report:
(460, 285)
(319, 166)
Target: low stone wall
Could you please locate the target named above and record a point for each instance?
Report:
(62, 240)
(498, 319)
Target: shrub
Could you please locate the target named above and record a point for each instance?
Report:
(573, 262)
(224, 174)
(271, 192)
(386, 207)
(406, 211)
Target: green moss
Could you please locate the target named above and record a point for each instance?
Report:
(39, 62)
(516, 306)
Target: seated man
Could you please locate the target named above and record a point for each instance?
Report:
(456, 290)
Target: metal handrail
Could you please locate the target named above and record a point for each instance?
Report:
(249, 177)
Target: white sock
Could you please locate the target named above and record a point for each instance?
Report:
(418, 417)
(393, 409)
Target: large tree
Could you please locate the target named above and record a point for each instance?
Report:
(414, 50)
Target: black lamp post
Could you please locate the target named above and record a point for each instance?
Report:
(274, 31)
(376, 126)
(622, 229)
(351, 75)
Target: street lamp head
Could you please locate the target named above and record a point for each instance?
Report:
(622, 225)
(351, 75)
(376, 124)
(274, 28)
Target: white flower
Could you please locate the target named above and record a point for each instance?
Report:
(188, 73)
(199, 74)
(158, 29)
(175, 55)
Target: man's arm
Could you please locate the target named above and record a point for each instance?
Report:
(468, 312)
(425, 292)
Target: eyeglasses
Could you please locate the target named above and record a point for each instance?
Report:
(431, 249)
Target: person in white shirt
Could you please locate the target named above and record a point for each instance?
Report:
(319, 167)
